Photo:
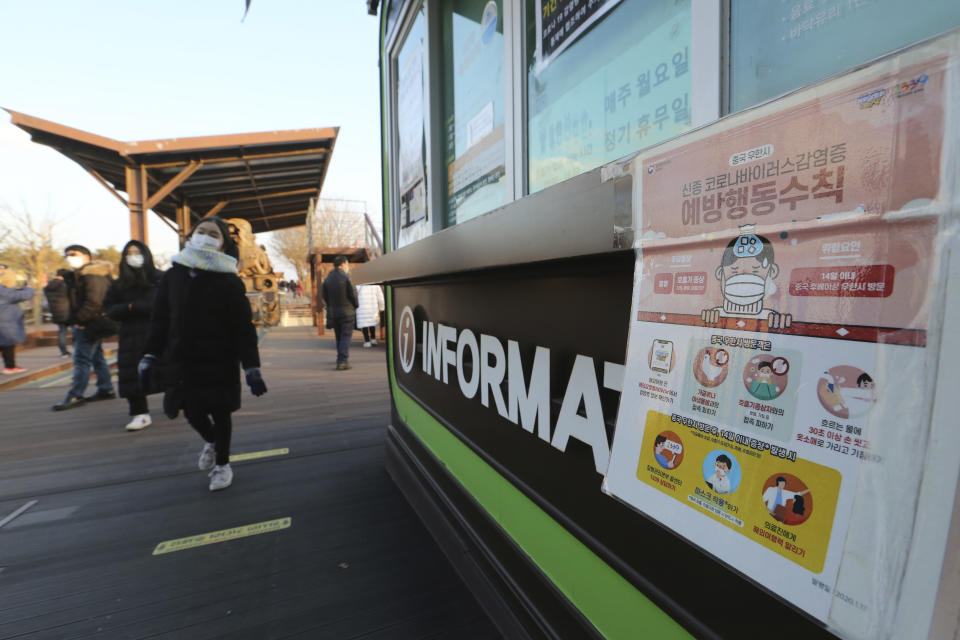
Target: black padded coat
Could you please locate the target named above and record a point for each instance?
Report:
(202, 327)
(131, 307)
(339, 297)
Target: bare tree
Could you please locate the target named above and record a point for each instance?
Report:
(337, 224)
(293, 246)
(28, 245)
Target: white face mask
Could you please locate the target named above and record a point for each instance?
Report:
(744, 288)
(201, 242)
(75, 262)
(135, 260)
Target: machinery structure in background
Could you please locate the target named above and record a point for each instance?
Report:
(257, 273)
(337, 227)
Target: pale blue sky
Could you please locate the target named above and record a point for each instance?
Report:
(134, 70)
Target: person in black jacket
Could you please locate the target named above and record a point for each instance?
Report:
(59, 303)
(340, 301)
(129, 301)
(202, 326)
(86, 291)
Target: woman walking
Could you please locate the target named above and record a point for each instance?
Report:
(202, 327)
(11, 319)
(370, 298)
(129, 301)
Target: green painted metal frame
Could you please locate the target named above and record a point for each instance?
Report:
(614, 606)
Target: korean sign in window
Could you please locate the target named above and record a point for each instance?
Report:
(776, 47)
(413, 220)
(473, 107)
(605, 78)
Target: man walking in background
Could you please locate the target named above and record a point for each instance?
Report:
(340, 301)
(59, 303)
(85, 292)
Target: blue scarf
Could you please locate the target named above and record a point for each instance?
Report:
(206, 260)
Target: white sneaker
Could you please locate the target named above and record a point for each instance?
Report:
(207, 457)
(374, 342)
(139, 422)
(366, 345)
(221, 477)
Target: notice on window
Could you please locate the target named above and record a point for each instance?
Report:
(560, 23)
(779, 377)
(622, 100)
(410, 118)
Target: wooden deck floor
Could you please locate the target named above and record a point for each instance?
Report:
(355, 562)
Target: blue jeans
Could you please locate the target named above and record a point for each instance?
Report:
(88, 355)
(343, 330)
(62, 338)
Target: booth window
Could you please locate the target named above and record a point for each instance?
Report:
(605, 78)
(414, 222)
(473, 107)
(776, 47)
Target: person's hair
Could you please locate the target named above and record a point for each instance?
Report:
(864, 377)
(659, 440)
(768, 365)
(339, 260)
(765, 255)
(781, 479)
(142, 277)
(725, 460)
(78, 247)
(229, 244)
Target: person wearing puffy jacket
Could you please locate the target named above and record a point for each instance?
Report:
(11, 319)
(371, 302)
(59, 302)
(202, 326)
(86, 291)
(129, 302)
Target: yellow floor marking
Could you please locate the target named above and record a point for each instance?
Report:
(259, 454)
(169, 546)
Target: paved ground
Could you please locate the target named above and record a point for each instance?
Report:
(343, 555)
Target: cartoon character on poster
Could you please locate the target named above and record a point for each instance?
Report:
(746, 274)
(765, 377)
(846, 391)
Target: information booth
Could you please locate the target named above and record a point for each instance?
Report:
(670, 291)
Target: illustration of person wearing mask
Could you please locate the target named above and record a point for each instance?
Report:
(720, 480)
(763, 386)
(746, 272)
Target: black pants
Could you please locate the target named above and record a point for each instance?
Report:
(217, 432)
(9, 356)
(138, 405)
(369, 333)
(343, 330)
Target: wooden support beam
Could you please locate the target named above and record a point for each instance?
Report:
(278, 215)
(172, 184)
(168, 223)
(273, 194)
(241, 158)
(216, 208)
(107, 185)
(136, 186)
(183, 223)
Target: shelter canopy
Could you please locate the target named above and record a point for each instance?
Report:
(266, 178)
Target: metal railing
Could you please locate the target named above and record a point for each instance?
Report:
(342, 224)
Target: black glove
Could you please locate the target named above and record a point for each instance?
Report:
(145, 372)
(255, 381)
